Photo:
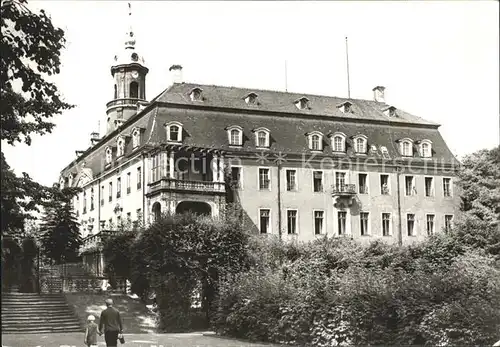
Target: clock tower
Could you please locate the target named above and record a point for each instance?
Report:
(129, 76)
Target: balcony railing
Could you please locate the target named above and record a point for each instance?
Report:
(343, 189)
(185, 185)
(123, 101)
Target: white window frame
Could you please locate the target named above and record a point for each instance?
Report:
(251, 98)
(382, 224)
(402, 143)
(241, 175)
(322, 181)
(196, 94)
(343, 137)
(451, 222)
(302, 103)
(270, 226)
(346, 177)
(433, 224)
(267, 133)
(368, 224)
(390, 111)
(388, 183)
(348, 230)
(323, 227)
(421, 149)
(296, 220)
(179, 134)
(109, 155)
(451, 187)
(364, 138)
(309, 140)
(258, 178)
(413, 191)
(136, 137)
(345, 107)
(433, 187)
(367, 183)
(240, 131)
(296, 180)
(414, 224)
(120, 146)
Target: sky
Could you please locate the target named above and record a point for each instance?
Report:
(437, 60)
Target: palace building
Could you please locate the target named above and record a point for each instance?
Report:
(300, 166)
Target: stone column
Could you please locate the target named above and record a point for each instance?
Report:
(221, 168)
(171, 164)
(164, 165)
(215, 168)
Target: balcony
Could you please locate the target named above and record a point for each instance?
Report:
(201, 187)
(344, 190)
(123, 101)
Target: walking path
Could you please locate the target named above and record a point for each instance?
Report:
(131, 340)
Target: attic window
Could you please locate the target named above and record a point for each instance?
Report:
(390, 111)
(302, 103)
(136, 137)
(360, 144)
(338, 142)
(120, 146)
(109, 155)
(235, 135)
(262, 136)
(251, 99)
(406, 147)
(425, 148)
(195, 94)
(345, 107)
(315, 140)
(174, 131)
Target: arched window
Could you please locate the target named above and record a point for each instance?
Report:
(136, 138)
(109, 155)
(338, 142)
(315, 141)
(116, 93)
(120, 144)
(134, 90)
(426, 148)
(156, 211)
(406, 147)
(235, 137)
(262, 137)
(360, 143)
(174, 131)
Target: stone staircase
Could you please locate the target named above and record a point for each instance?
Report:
(24, 313)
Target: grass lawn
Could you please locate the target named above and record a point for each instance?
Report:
(131, 340)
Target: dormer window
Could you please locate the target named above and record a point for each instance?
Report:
(251, 99)
(406, 147)
(120, 146)
(360, 144)
(109, 155)
(70, 180)
(136, 137)
(345, 107)
(390, 111)
(302, 103)
(425, 147)
(235, 135)
(195, 94)
(262, 137)
(338, 142)
(174, 131)
(315, 139)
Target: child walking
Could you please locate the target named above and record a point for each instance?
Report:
(91, 332)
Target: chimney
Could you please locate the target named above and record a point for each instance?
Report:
(379, 94)
(176, 73)
(94, 138)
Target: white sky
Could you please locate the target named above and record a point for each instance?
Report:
(438, 60)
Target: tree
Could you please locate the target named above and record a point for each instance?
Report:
(31, 48)
(60, 235)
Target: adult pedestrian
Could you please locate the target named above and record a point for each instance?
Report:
(110, 324)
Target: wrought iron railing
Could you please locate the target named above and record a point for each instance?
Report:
(186, 185)
(123, 101)
(344, 189)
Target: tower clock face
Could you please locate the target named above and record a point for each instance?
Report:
(135, 74)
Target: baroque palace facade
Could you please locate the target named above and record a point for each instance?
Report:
(300, 166)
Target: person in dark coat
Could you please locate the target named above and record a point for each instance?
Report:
(110, 324)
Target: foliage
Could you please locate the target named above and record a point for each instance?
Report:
(60, 234)
(30, 252)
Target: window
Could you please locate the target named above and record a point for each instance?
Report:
(363, 187)
(265, 221)
(386, 224)
(174, 131)
(84, 202)
(410, 224)
(118, 187)
(315, 141)
(195, 94)
(292, 221)
(342, 216)
(447, 187)
(136, 138)
(236, 176)
(318, 222)
(360, 144)
(302, 103)
(390, 111)
(340, 181)
(448, 219)
(115, 95)
(430, 224)
(384, 184)
(410, 186)
(251, 98)
(406, 147)
(120, 147)
(363, 217)
(102, 195)
(155, 167)
(426, 148)
(110, 196)
(385, 152)
(109, 155)
(345, 107)
(338, 143)
(291, 180)
(134, 90)
(139, 177)
(92, 199)
(317, 181)
(235, 135)
(264, 179)
(429, 186)
(128, 182)
(262, 136)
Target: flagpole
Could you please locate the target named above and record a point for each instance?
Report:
(286, 77)
(347, 60)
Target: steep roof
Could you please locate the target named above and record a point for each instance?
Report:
(284, 102)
